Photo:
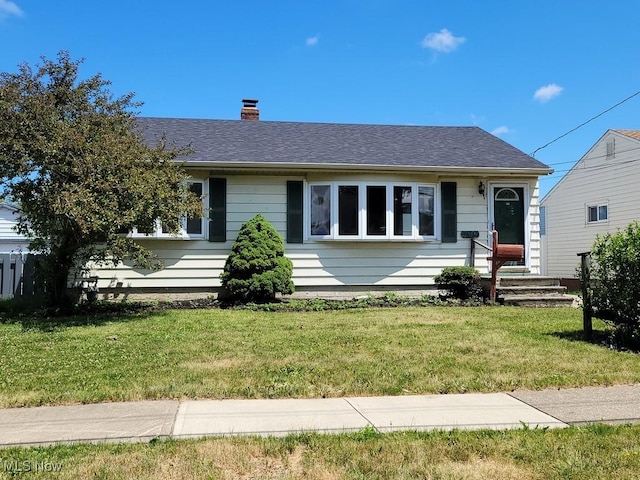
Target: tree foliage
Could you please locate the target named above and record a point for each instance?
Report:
(615, 283)
(256, 269)
(73, 160)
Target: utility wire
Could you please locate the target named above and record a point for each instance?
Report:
(595, 157)
(599, 167)
(584, 123)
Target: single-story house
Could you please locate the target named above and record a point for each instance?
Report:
(598, 195)
(13, 252)
(361, 207)
(10, 241)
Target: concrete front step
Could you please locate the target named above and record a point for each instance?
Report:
(532, 290)
(538, 301)
(528, 280)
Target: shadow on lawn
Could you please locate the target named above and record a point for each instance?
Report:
(94, 314)
(598, 337)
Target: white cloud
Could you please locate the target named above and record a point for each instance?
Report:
(312, 41)
(8, 8)
(546, 93)
(443, 41)
(500, 130)
(477, 119)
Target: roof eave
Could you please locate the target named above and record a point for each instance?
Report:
(460, 171)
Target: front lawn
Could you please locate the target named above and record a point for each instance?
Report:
(253, 354)
(594, 452)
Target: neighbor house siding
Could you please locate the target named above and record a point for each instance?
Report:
(7, 222)
(317, 263)
(535, 247)
(596, 179)
(10, 240)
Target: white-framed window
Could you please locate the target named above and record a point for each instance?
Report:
(597, 213)
(371, 211)
(190, 227)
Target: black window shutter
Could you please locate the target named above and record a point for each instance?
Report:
(217, 209)
(294, 211)
(449, 212)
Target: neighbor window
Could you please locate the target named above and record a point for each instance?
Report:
(597, 213)
(372, 211)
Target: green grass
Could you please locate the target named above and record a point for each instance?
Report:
(252, 354)
(594, 452)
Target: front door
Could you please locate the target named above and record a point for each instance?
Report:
(508, 214)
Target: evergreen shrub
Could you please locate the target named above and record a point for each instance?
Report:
(256, 269)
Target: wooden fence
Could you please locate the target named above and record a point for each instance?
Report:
(17, 277)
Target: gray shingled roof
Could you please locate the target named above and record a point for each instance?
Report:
(293, 143)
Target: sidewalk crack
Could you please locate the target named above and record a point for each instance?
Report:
(362, 415)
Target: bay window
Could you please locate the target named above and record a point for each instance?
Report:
(371, 211)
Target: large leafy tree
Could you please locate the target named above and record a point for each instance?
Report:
(73, 160)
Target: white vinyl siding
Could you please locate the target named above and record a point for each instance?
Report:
(8, 220)
(595, 180)
(10, 241)
(597, 213)
(317, 263)
(532, 225)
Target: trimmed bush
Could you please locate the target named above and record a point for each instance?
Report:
(256, 269)
(462, 283)
(615, 284)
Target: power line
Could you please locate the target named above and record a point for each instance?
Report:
(584, 123)
(594, 157)
(598, 167)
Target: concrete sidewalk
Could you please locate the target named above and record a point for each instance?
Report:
(143, 421)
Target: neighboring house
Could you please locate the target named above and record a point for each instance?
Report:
(10, 240)
(361, 207)
(598, 195)
(13, 252)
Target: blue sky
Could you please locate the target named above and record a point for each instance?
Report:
(527, 71)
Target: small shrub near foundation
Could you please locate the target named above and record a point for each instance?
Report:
(256, 269)
(462, 283)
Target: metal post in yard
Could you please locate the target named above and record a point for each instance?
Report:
(472, 262)
(587, 312)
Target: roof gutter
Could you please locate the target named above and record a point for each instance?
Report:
(305, 167)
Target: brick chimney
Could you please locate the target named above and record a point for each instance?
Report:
(249, 110)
